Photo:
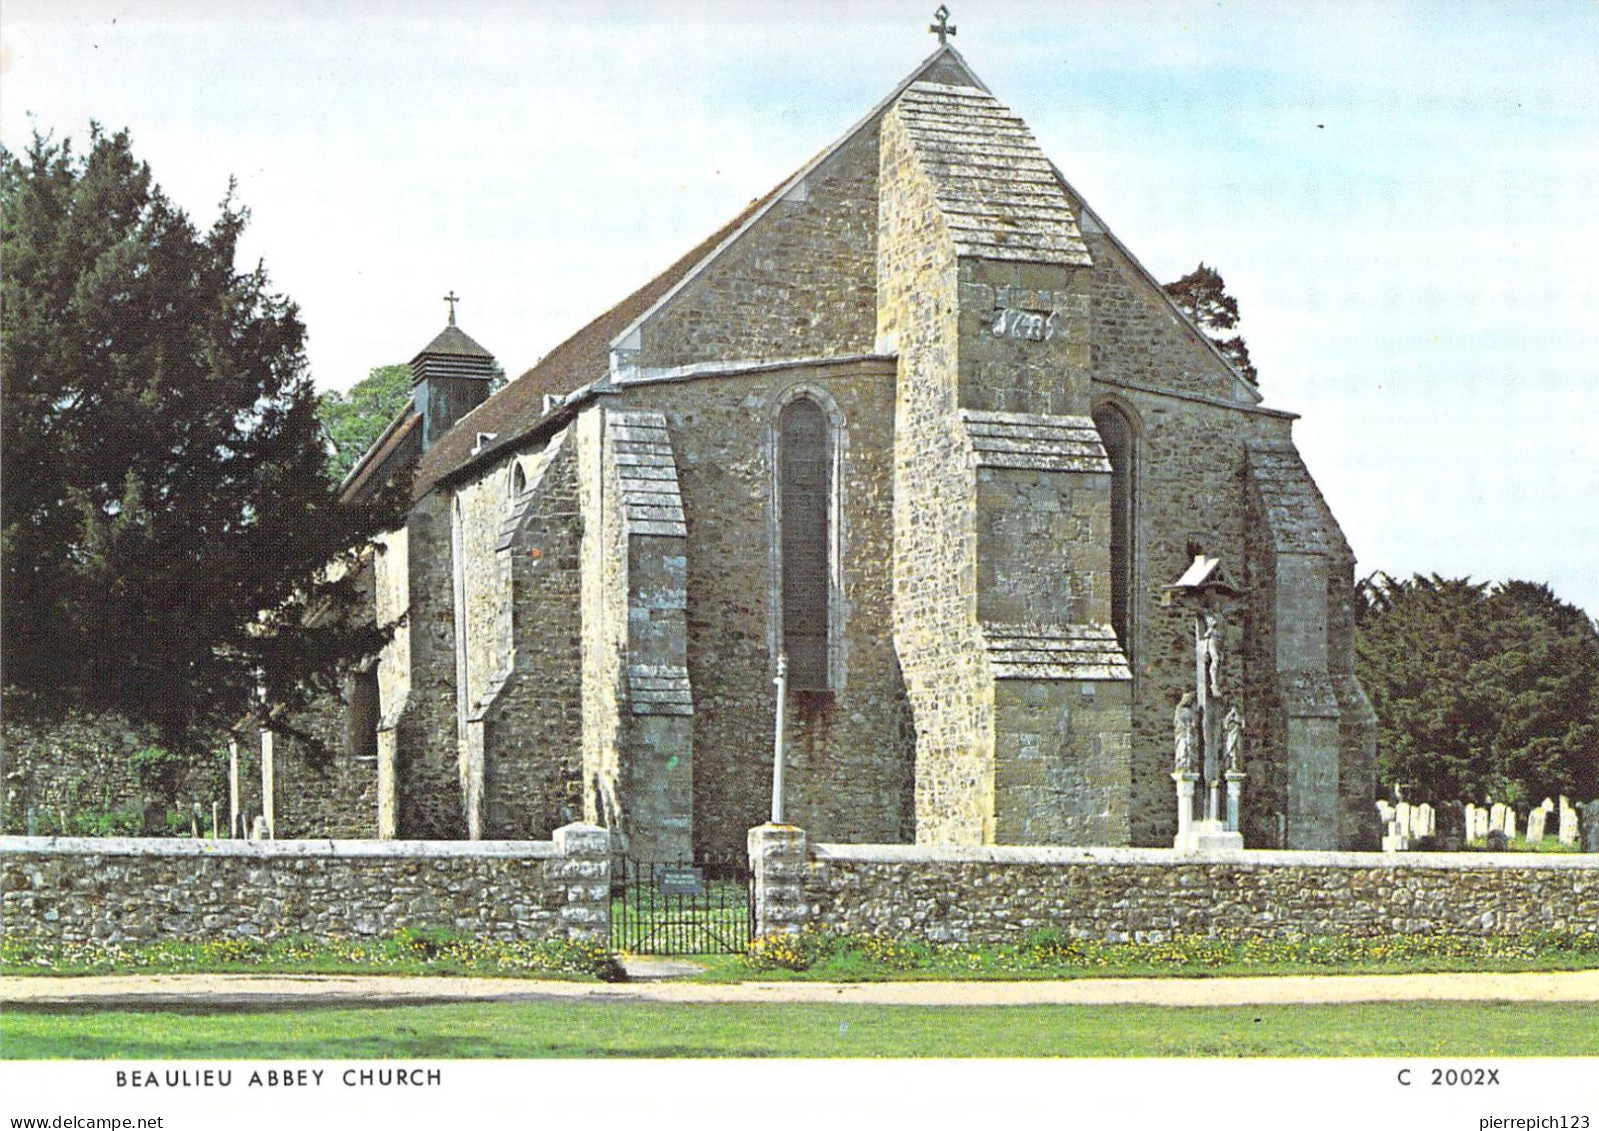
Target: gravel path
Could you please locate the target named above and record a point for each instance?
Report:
(245, 991)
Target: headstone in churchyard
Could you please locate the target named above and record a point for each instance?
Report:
(1430, 814)
(1568, 822)
(258, 827)
(1535, 824)
(1589, 819)
(1385, 812)
(1450, 830)
(1548, 805)
(1496, 817)
(1497, 840)
(1510, 823)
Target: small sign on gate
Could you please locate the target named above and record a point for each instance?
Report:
(681, 879)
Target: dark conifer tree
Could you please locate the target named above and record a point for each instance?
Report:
(173, 547)
(1480, 691)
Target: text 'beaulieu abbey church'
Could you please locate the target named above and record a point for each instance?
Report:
(915, 420)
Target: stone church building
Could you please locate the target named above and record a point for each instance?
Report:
(914, 419)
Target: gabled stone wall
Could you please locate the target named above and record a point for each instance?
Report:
(799, 283)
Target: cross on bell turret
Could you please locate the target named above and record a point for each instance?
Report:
(452, 298)
(943, 28)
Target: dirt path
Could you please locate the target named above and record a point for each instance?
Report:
(244, 991)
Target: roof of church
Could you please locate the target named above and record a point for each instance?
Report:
(454, 342)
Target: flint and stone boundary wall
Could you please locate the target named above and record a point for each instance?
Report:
(60, 889)
(1001, 894)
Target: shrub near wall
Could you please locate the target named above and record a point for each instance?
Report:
(1002, 894)
(71, 890)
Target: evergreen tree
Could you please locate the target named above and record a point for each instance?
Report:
(1202, 295)
(173, 549)
(354, 420)
(1480, 691)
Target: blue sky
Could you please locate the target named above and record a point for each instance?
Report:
(1401, 196)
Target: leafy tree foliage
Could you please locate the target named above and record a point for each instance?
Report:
(1202, 294)
(354, 420)
(168, 525)
(1480, 690)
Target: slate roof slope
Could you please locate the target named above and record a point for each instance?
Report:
(998, 192)
(1298, 517)
(1048, 651)
(454, 342)
(1035, 443)
(642, 448)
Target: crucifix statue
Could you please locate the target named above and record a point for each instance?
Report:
(1211, 752)
(943, 28)
(452, 298)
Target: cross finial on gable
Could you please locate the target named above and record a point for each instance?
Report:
(943, 28)
(452, 298)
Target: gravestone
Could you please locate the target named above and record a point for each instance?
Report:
(1568, 822)
(1450, 830)
(1497, 841)
(1510, 823)
(1590, 826)
(1535, 825)
(1496, 817)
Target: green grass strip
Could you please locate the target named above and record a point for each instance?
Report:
(645, 1029)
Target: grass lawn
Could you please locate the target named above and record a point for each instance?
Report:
(634, 1029)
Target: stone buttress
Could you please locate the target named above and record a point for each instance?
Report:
(1319, 724)
(1020, 693)
(638, 736)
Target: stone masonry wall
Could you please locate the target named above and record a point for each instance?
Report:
(81, 764)
(428, 752)
(849, 767)
(337, 798)
(800, 283)
(533, 740)
(1138, 338)
(1001, 894)
(114, 890)
(935, 535)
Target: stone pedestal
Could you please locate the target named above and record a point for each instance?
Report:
(1185, 806)
(1235, 793)
(777, 863)
(1210, 836)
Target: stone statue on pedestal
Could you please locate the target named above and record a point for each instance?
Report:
(1185, 734)
(1232, 728)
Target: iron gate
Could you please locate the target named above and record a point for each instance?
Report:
(703, 906)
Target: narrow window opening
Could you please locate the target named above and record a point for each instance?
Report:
(1117, 435)
(805, 479)
(363, 712)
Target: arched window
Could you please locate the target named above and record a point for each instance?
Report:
(518, 480)
(363, 711)
(1116, 433)
(805, 488)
